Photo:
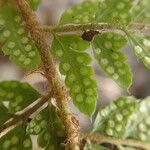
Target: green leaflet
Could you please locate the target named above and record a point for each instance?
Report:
(141, 12)
(38, 123)
(113, 119)
(114, 11)
(49, 129)
(102, 11)
(4, 114)
(90, 146)
(82, 13)
(141, 47)
(16, 139)
(139, 126)
(17, 44)
(35, 4)
(75, 65)
(106, 48)
(19, 95)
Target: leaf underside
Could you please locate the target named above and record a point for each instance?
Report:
(139, 126)
(113, 119)
(141, 47)
(126, 117)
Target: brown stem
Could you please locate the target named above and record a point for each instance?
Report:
(25, 115)
(98, 139)
(94, 26)
(50, 71)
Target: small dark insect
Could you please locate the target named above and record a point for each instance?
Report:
(88, 35)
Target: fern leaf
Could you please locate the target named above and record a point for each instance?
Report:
(139, 126)
(75, 65)
(141, 12)
(82, 13)
(141, 47)
(16, 139)
(35, 4)
(4, 114)
(17, 43)
(114, 11)
(49, 129)
(113, 119)
(18, 95)
(106, 49)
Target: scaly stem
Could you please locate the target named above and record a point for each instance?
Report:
(95, 26)
(59, 91)
(96, 138)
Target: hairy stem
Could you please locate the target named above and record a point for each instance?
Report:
(96, 138)
(59, 91)
(94, 26)
(25, 115)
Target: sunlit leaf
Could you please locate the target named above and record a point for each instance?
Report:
(141, 12)
(114, 11)
(139, 126)
(18, 95)
(14, 37)
(113, 119)
(16, 139)
(75, 65)
(82, 13)
(106, 48)
(141, 47)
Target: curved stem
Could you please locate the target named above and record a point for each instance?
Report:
(58, 89)
(98, 139)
